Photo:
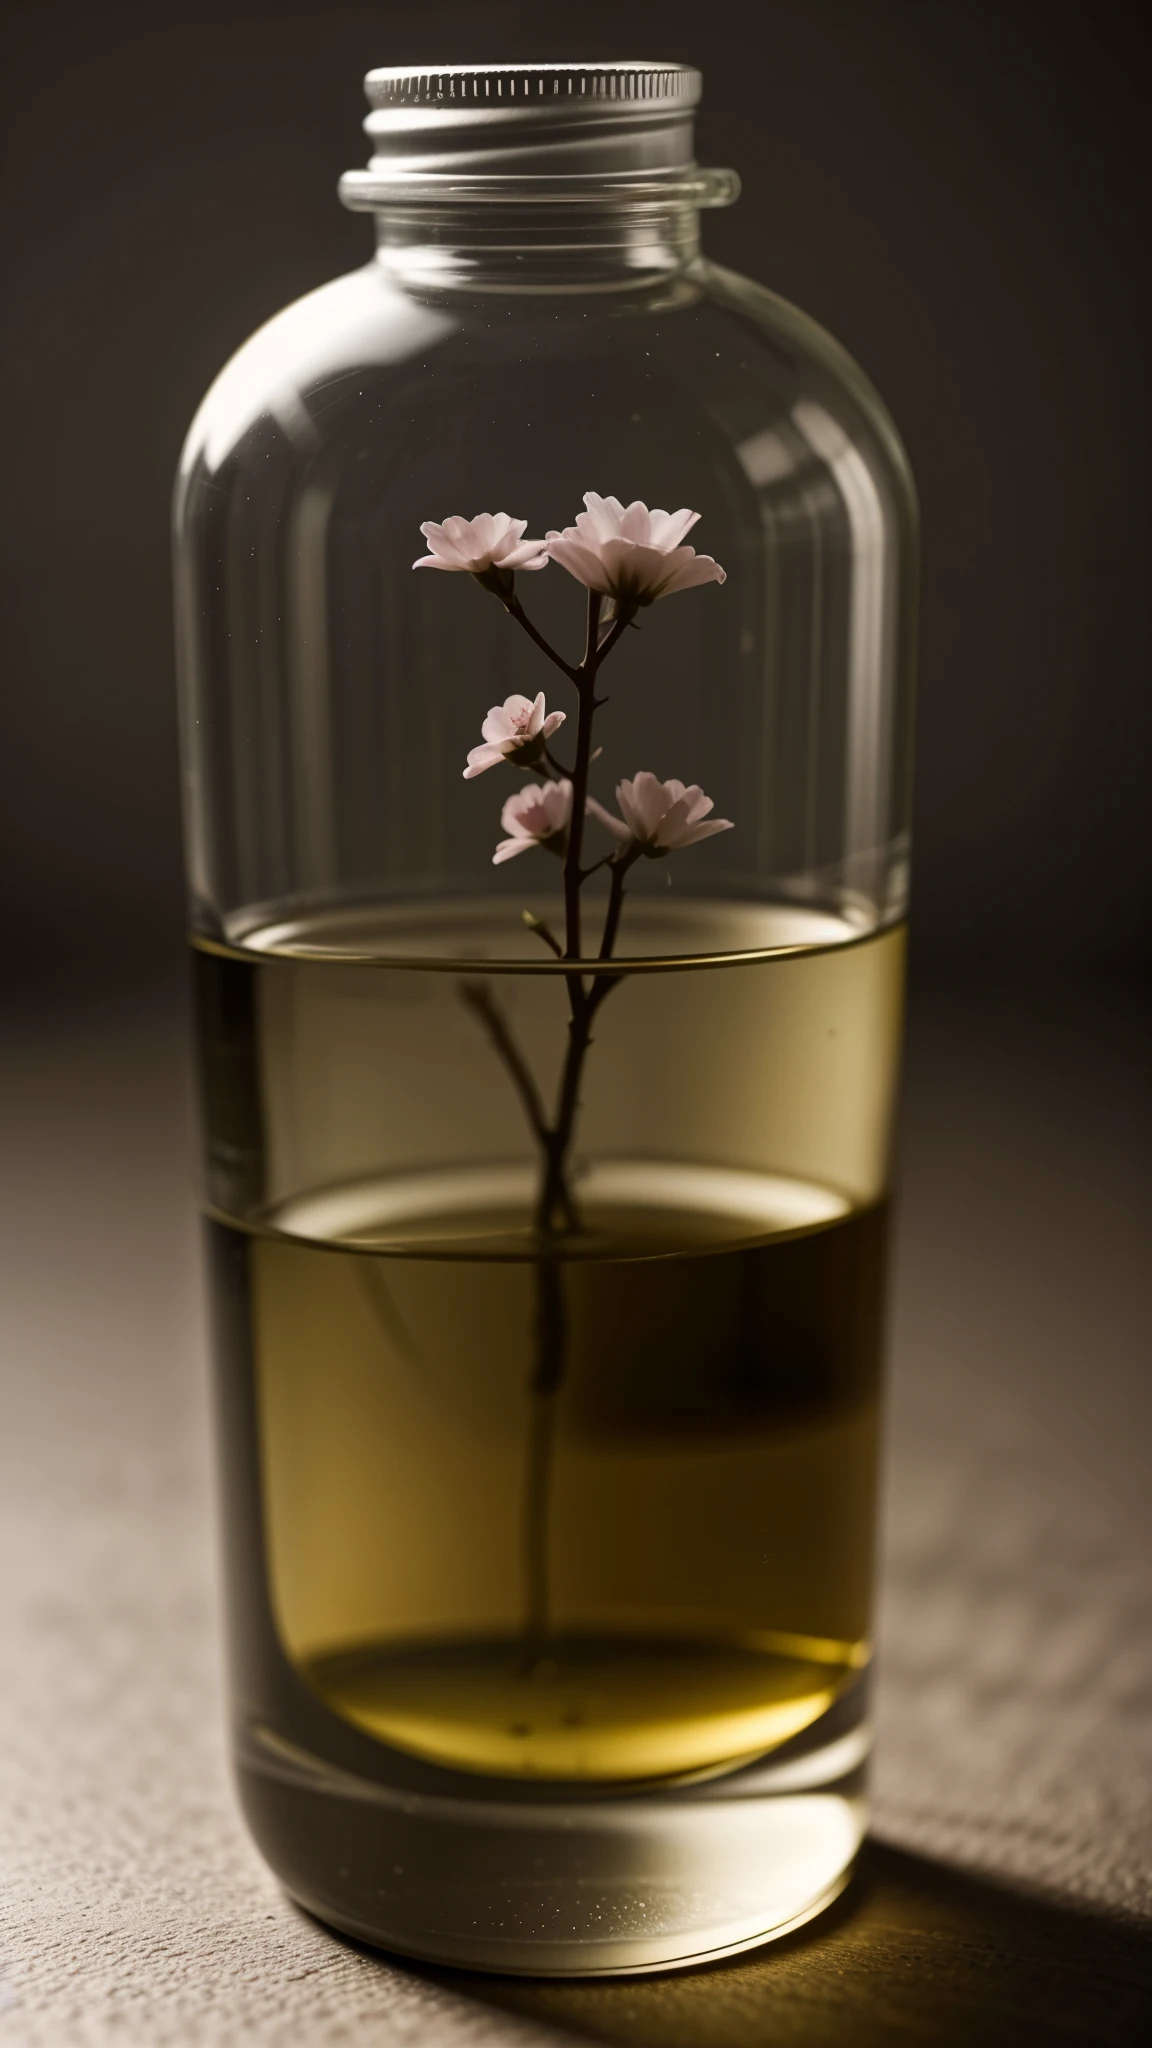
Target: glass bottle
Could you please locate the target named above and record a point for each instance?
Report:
(548, 1299)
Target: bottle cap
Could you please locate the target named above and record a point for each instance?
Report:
(476, 130)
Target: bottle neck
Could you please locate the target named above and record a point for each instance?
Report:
(535, 177)
(537, 246)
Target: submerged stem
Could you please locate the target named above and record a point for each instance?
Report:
(480, 999)
(551, 1349)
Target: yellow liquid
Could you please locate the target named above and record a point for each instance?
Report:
(609, 1709)
(710, 1499)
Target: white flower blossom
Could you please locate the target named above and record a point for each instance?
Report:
(477, 546)
(516, 727)
(660, 817)
(536, 816)
(631, 554)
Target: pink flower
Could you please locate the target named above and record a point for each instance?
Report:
(490, 541)
(632, 554)
(660, 817)
(517, 728)
(537, 816)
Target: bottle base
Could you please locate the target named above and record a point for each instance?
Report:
(529, 1960)
(560, 1888)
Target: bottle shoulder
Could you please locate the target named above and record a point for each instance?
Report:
(358, 321)
(822, 367)
(714, 355)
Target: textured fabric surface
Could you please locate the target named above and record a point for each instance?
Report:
(1016, 1617)
(1016, 1639)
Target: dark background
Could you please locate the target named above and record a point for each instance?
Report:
(954, 187)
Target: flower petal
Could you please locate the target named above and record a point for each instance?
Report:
(531, 554)
(509, 848)
(691, 569)
(644, 797)
(704, 830)
(557, 801)
(667, 529)
(666, 815)
(481, 758)
(631, 815)
(615, 825)
(450, 553)
(635, 570)
(441, 545)
(498, 725)
(459, 531)
(636, 524)
(591, 530)
(539, 811)
(675, 820)
(581, 563)
(602, 517)
(435, 535)
(488, 529)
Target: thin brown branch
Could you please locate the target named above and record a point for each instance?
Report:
(551, 1349)
(543, 931)
(620, 867)
(592, 632)
(480, 999)
(573, 869)
(515, 610)
(616, 631)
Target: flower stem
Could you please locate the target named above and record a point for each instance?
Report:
(543, 931)
(585, 680)
(479, 998)
(596, 652)
(515, 610)
(619, 867)
(555, 1209)
(551, 1351)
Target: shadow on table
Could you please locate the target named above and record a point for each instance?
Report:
(913, 1952)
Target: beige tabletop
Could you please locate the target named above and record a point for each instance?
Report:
(1008, 1894)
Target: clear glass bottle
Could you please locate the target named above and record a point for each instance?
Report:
(549, 1355)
